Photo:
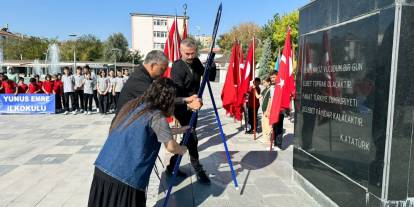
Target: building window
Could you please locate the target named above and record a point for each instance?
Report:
(160, 22)
(160, 34)
(159, 46)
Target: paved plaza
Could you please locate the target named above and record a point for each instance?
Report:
(47, 160)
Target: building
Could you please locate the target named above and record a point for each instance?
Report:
(150, 31)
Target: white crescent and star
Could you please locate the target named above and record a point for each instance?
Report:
(281, 83)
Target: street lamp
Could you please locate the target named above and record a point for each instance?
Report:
(20, 46)
(74, 52)
(116, 55)
(45, 53)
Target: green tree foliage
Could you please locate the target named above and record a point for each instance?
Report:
(116, 47)
(243, 32)
(268, 30)
(29, 48)
(266, 59)
(88, 48)
(280, 27)
(135, 57)
(66, 50)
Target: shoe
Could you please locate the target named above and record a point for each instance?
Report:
(85, 113)
(249, 132)
(179, 173)
(66, 113)
(203, 178)
(88, 113)
(277, 149)
(74, 112)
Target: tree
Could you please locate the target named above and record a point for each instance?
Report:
(135, 57)
(90, 48)
(27, 47)
(268, 30)
(266, 59)
(280, 28)
(243, 32)
(116, 47)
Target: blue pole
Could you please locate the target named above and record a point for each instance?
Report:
(194, 115)
(177, 163)
(223, 137)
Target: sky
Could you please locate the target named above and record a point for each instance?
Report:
(59, 18)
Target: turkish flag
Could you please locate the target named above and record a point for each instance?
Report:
(185, 29)
(284, 83)
(230, 88)
(172, 47)
(246, 74)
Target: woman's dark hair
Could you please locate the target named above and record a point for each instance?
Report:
(160, 95)
(102, 71)
(32, 80)
(48, 77)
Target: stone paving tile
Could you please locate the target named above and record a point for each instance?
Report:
(106, 123)
(63, 150)
(43, 131)
(73, 142)
(272, 185)
(74, 126)
(57, 158)
(7, 136)
(4, 169)
(287, 201)
(56, 136)
(90, 149)
(48, 159)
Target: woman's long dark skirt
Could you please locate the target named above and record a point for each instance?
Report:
(106, 191)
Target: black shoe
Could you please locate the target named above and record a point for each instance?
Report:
(179, 173)
(249, 132)
(203, 178)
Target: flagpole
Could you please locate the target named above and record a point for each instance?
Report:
(254, 91)
(193, 119)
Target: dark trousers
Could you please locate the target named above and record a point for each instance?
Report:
(184, 119)
(277, 133)
(67, 96)
(95, 98)
(58, 101)
(78, 100)
(103, 103)
(252, 115)
(117, 94)
(111, 101)
(87, 101)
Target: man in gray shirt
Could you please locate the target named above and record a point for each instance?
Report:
(68, 90)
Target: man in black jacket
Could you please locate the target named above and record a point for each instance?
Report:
(186, 74)
(154, 66)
